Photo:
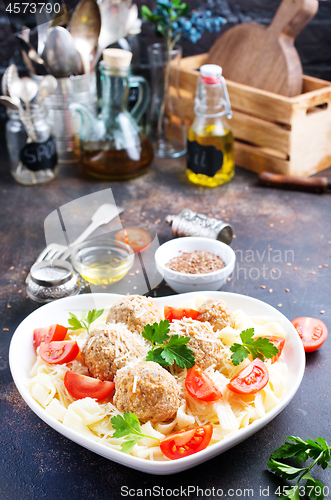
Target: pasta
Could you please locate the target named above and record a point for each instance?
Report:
(227, 415)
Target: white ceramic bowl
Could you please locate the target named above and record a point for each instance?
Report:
(182, 282)
(22, 358)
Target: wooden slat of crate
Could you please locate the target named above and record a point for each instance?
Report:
(245, 127)
(272, 132)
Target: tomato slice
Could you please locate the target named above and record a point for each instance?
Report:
(279, 343)
(172, 313)
(48, 334)
(185, 443)
(136, 238)
(312, 331)
(200, 386)
(251, 379)
(59, 352)
(80, 386)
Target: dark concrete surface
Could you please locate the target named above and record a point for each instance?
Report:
(36, 461)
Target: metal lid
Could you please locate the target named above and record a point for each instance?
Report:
(51, 272)
(226, 234)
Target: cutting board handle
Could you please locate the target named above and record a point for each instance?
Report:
(292, 16)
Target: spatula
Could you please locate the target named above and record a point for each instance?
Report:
(266, 58)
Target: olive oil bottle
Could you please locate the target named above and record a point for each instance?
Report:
(210, 157)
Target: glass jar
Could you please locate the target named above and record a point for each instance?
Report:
(31, 146)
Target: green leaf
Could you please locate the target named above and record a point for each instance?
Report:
(284, 470)
(183, 8)
(293, 493)
(259, 348)
(314, 488)
(128, 424)
(325, 458)
(239, 353)
(262, 348)
(247, 335)
(177, 350)
(293, 449)
(146, 13)
(157, 332)
(129, 443)
(74, 323)
(93, 315)
(155, 355)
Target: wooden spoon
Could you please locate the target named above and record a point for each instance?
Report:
(85, 28)
(262, 57)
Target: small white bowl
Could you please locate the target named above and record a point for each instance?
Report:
(183, 282)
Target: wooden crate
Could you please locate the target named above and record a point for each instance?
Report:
(272, 132)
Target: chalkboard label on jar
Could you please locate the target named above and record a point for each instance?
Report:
(39, 155)
(205, 160)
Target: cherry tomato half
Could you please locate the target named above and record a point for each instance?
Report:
(312, 331)
(80, 386)
(200, 386)
(48, 334)
(251, 379)
(279, 343)
(136, 238)
(185, 443)
(59, 352)
(172, 313)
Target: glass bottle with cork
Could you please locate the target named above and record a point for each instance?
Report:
(113, 146)
(210, 156)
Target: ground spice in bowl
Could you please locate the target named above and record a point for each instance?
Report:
(197, 262)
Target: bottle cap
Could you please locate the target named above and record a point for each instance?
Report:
(211, 70)
(117, 58)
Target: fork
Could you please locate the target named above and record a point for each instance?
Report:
(104, 214)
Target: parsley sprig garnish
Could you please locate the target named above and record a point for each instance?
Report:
(259, 348)
(85, 321)
(301, 451)
(174, 350)
(128, 426)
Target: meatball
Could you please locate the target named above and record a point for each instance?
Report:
(147, 390)
(108, 348)
(207, 349)
(135, 312)
(217, 313)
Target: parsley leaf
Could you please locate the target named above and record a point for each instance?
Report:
(259, 348)
(158, 332)
(301, 451)
(167, 349)
(85, 321)
(128, 426)
(176, 350)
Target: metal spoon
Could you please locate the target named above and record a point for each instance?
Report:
(60, 53)
(29, 89)
(47, 86)
(114, 17)
(85, 28)
(14, 86)
(62, 18)
(8, 102)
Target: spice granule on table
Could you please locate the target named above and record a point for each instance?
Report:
(197, 262)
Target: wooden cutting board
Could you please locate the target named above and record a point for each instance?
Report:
(262, 57)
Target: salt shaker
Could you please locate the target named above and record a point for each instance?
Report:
(189, 223)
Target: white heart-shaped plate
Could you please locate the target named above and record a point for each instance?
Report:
(22, 358)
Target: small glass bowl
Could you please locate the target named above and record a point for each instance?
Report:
(102, 261)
